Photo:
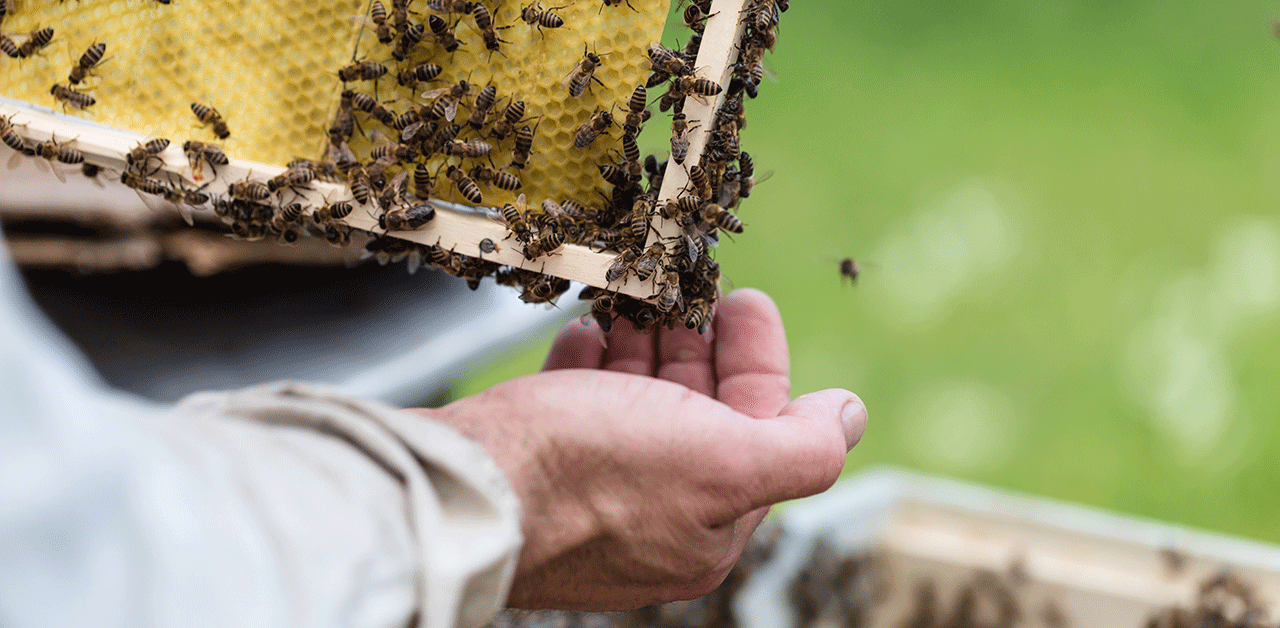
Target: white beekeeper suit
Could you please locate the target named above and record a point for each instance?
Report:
(282, 505)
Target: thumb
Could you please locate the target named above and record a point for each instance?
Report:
(802, 451)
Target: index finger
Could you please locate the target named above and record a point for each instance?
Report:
(753, 366)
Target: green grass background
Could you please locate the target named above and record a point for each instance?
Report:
(1069, 219)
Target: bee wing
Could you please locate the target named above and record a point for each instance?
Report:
(415, 260)
(567, 81)
(379, 138)
(451, 110)
(17, 157)
(432, 94)
(765, 177)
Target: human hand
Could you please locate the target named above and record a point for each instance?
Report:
(642, 469)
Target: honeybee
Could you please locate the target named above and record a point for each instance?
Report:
(143, 184)
(496, 178)
(409, 39)
(637, 114)
(543, 289)
(471, 149)
(523, 147)
(292, 177)
(484, 102)
(614, 3)
(694, 86)
(371, 106)
(36, 40)
(621, 265)
(695, 18)
(341, 156)
(602, 311)
(393, 152)
(91, 57)
(648, 262)
(92, 171)
(592, 128)
(699, 182)
(447, 100)
(665, 62)
(679, 137)
(408, 218)
(580, 78)
(363, 71)
(391, 193)
(72, 98)
(701, 312)
(450, 6)
(141, 155)
(682, 206)
(514, 218)
(184, 198)
(286, 216)
(210, 117)
(443, 33)
(510, 117)
(721, 218)
(484, 22)
(464, 184)
(669, 297)
(540, 18)
(545, 245)
(344, 121)
(330, 212)
(849, 270)
(378, 14)
(252, 191)
(423, 181)
(337, 234)
(419, 74)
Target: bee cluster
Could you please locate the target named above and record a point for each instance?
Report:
(466, 140)
(1225, 601)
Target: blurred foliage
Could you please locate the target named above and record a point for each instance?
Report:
(1067, 216)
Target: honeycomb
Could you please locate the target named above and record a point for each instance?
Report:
(269, 67)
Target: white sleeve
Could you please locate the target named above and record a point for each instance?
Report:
(282, 505)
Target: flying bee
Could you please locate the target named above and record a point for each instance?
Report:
(141, 155)
(669, 297)
(523, 147)
(371, 106)
(721, 217)
(471, 149)
(330, 212)
(291, 178)
(637, 114)
(409, 39)
(419, 74)
(91, 57)
(466, 186)
(378, 14)
(484, 102)
(210, 117)
(514, 217)
(447, 100)
(545, 245)
(540, 18)
(36, 41)
(408, 218)
(9, 47)
(363, 71)
(72, 98)
(286, 216)
(496, 178)
(580, 78)
(849, 270)
(621, 265)
(443, 33)
(510, 117)
(679, 137)
(592, 128)
(450, 6)
(251, 191)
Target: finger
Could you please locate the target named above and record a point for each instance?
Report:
(753, 367)
(577, 346)
(802, 451)
(685, 357)
(631, 351)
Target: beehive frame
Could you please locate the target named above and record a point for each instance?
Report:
(455, 228)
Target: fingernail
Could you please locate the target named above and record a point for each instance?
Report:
(854, 419)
